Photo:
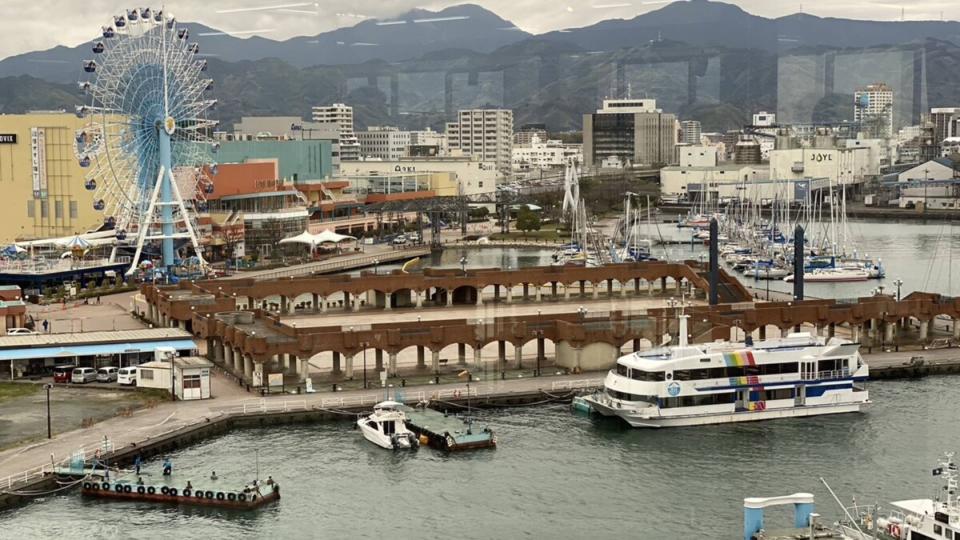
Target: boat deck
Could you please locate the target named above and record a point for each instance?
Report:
(820, 533)
(448, 432)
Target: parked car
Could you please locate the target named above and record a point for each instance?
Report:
(62, 374)
(107, 374)
(400, 239)
(413, 237)
(19, 331)
(127, 375)
(83, 375)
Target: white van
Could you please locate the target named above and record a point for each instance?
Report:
(127, 375)
(83, 375)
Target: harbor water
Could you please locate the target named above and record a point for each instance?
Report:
(926, 256)
(555, 474)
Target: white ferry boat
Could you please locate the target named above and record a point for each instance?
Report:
(716, 383)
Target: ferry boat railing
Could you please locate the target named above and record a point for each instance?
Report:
(834, 374)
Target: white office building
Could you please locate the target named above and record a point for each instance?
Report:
(873, 109)
(473, 176)
(484, 133)
(383, 142)
(429, 137)
(545, 155)
(690, 132)
(342, 116)
(764, 119)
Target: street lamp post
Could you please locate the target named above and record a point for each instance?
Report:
(898, 283)
(365, 345)
(463, 264)
(48, 386)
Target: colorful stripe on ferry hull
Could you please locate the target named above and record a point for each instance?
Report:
(741, 359)
(744, 359)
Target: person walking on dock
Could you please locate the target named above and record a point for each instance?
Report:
(167, 467)
(137, 461)
(46, 326)
(213, 475)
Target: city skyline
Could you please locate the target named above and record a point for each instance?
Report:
(28, 26)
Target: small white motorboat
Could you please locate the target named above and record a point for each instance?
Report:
(387, 427)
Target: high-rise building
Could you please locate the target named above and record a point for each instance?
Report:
(43, 182)
(629, 132)
(946, 123)
(383, 142)
(342, 116)
(873, 110)
(690, 132)
(484, 133)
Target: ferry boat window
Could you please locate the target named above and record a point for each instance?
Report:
(827, 365)
(697, 401)
(640, 375)
(622, 370)
(631, 397)
(781, 393)
(914, 535)
(937, 529)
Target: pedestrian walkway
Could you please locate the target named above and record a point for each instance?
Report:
(166, 417)
(377, 254)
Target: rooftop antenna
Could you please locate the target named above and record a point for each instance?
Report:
(903, 13)
(629, 90)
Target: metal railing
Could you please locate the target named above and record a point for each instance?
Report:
(833, 374)
(581, 384)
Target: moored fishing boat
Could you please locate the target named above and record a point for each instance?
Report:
(251, 496)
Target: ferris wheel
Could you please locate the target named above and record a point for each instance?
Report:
(146, 144)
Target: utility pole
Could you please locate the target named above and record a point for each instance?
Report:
(48, 386)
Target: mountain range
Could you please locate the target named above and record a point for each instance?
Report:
(701, 59)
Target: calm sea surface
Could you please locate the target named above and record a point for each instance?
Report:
(555, 475)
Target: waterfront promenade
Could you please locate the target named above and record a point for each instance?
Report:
(167, 417)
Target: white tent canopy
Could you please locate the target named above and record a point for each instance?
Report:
(312, 240)
(303, 238)
(329, 237)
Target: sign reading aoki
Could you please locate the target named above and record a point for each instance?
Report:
(8, 138)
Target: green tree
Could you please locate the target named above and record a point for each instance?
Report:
(528, 220)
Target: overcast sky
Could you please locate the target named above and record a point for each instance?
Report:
(29, 25)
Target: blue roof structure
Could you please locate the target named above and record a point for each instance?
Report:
(70, 351)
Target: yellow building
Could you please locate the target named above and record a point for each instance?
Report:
(41, 182)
